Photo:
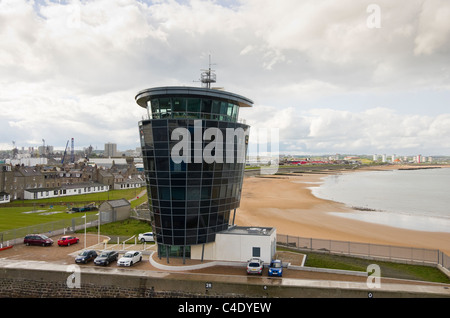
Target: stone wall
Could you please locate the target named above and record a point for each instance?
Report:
(45, 283)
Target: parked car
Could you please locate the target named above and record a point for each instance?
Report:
(68, 240)
(255, 266)
(86, 256)
(106, 257)
(37, 239)
(276, 268)
(146, 237)
(130, 258)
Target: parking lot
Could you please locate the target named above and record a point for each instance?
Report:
(65, 255)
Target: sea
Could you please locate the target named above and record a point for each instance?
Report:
(410, 199)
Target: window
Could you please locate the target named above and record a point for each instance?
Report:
(179, 108)
(165, 107)
(256, 252)
(178, 193)
(223, 108)
(215, 107)
(193, 105)
(206, 106)
(230, 109)
(179, 105)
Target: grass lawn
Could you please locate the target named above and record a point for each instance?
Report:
(17, 217)
(14, 216)
(127, 227)
(388, 269)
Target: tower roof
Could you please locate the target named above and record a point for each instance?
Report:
(147, 94)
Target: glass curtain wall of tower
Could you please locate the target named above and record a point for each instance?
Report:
(192, 200)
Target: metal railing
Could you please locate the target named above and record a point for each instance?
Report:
(367, 250)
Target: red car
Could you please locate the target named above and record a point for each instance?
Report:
(68, 240)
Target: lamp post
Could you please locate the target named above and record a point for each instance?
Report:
(84, 230)
(98, 235)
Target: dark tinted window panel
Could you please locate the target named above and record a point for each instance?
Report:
(164, 182)
(179, 105)
(178, 193)
(179, 204)
(206, 105)
(177, 240)
(165, 204)
(178, 182)
(162, 164)
(193, 193)
(164, 193)
(193, 105)
(179, 211)
(193, 204)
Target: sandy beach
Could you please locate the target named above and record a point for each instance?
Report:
(286, 203)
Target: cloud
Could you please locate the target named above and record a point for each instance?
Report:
(314, 69)
(376, 130)
(433, 29)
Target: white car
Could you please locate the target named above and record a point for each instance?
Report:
(130, 258)
(146, 237)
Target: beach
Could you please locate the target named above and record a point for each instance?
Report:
(286, 203)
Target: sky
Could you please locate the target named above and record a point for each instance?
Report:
(347, 76)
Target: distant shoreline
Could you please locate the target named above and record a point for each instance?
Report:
(420, 168)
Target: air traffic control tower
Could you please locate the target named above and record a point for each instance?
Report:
(194, 151)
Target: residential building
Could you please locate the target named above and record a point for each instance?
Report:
(64, 190)
(110, 150)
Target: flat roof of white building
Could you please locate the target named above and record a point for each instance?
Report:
(249, 230)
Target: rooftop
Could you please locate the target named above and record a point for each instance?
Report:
(145, 95)
(249, 230)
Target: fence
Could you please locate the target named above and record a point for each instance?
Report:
(373, 251)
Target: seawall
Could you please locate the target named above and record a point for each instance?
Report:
(33, 279)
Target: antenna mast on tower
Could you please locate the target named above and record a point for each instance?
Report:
(208, 76)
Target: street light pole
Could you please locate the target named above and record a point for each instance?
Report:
(84, 230)
(98, 235)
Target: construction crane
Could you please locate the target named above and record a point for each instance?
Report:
(65, 152)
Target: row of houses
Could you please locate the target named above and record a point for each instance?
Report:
(20, 182)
